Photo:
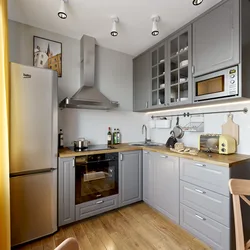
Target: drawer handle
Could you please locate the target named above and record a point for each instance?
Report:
(200, 165)
(164, 156)
(199, 217)
(99, 202)
(199, 191)
(146, 152)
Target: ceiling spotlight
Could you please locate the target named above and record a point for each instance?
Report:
(115, 20)
(197, 2)
(62, 13)
(155, 30)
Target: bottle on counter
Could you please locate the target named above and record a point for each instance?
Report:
(115, 137)
(118, 136)
(60, 139)
(109, 138)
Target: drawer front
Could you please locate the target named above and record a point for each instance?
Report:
(205, 175)
(95, 207)
(211, 232)
(213, 205)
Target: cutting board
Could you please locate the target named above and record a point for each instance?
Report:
(231, 128)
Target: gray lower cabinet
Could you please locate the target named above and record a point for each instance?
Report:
(66, 191)
(141, 72)
(148, 178)
(130, 178)
(216, 38)
(205, 175)
(166, 185)
(210, 231)
(205, 202)
(91, 208)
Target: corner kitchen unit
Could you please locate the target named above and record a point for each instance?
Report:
(190, 190)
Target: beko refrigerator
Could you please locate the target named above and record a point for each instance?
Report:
(33, 152)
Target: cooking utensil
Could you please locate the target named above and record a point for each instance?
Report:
(178, 132)
(81, 143)
(231, 128)
(171, 140)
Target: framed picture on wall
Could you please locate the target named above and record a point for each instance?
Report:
(47, 54)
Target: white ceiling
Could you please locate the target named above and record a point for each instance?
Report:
(92, 17)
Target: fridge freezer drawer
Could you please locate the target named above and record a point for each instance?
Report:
(33, 206)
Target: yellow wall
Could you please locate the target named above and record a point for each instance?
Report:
(4, 145)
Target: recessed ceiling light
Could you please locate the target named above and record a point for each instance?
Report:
(197, 2)
(62, 13)
(114, 31)
(155, 30)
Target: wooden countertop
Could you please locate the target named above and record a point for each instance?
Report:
(217, 159)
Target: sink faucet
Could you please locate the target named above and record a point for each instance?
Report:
(144, 127)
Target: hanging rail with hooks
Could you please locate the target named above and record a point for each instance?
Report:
(245, 110)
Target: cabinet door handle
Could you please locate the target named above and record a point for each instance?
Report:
(146, 105)
(199, 191)
(200, 165)
(73, 163)
(121, 157)
(99, 202)
(199, 217)
(164, 156)
(193, 69)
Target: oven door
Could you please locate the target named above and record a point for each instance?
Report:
(219, 84)
(94, 180)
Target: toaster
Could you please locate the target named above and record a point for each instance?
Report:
(216, 143)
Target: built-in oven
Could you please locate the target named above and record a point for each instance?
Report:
(220, 84)
(96, 176)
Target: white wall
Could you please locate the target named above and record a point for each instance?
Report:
(114, 77)
(212, 124)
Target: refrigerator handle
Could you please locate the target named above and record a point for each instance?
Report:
(39, 171)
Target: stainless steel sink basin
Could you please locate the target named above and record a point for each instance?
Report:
(148, 144)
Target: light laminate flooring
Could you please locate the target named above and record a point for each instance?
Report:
(134, 227)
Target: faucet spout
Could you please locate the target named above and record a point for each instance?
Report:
(144, 128)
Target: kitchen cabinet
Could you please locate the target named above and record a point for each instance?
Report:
(179, 64)
(66, 191)
(166, 185)
(205, 202)
(130, 178)
(148, 178)
(141, 69)
(158, 76)
(216, 38)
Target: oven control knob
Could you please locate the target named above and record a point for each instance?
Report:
(232, 81)
(232, 76)
(223, 150)
(223, 145)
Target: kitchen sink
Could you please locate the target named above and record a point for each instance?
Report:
(148, 144)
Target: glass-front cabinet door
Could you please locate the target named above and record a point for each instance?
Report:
(180, 68)
(158, 76)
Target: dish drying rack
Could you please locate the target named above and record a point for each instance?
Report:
(196, 124)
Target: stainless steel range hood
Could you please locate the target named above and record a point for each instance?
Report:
(88, 97)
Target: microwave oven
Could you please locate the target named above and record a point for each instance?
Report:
(220, 84)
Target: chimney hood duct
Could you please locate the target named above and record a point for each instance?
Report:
(88, 97)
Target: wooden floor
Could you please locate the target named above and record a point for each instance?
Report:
(133, 227)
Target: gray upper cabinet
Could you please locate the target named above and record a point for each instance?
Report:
(216, 39)
(179, 65)
(130, 178)
(166, 185)
(158, 76)
(141, 69)
(148, 178)
(66, 191)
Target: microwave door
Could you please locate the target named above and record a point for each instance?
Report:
(216, 85)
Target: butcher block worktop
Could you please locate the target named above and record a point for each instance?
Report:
(219, 160)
